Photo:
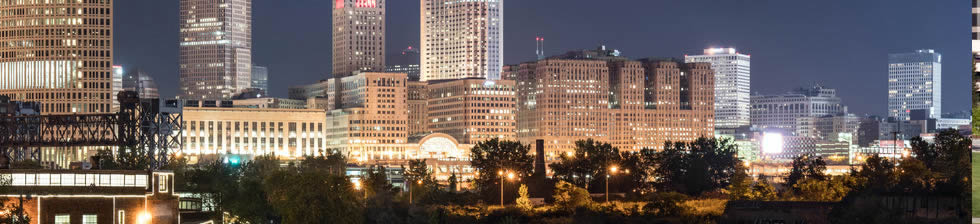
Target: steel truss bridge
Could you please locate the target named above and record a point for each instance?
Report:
(141, 124)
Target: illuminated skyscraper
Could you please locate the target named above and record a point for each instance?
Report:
(598, 94)
(732, 84)
(462, 39)
(57, 53)
(215, 48)
(260, 78)
(915, 83)
(358, 36)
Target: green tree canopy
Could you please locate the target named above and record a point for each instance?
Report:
(494, 155)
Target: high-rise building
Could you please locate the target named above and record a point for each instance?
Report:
(358, 36)
(472, 110)
(915, 83)
(417, 109)
(138, 81)
(58, 54)
(260, 78)
(600, 95)
(370, 122)
(462, 39)
(215, 48)
(117, 86)
(780, 113)
(732, 85)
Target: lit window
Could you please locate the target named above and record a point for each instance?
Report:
(89, 219)
(62, 219)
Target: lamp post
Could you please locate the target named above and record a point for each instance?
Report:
(612, 170)
(510, 176)
(410, 191)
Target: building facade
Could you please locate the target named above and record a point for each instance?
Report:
(599, 95)
(215, 48)
(286, 133)
(915, 83)
(94, 196)
(472, 110)
(418, 109)
(732, 84)
(370, 122)
(779, 113)
(260, 78)
(462, 39)
(138, 81)
(840, 127)
(59, 54)
(358, 36)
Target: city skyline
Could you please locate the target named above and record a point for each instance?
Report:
(817, 55)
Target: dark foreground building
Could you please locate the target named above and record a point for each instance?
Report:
(93, 196)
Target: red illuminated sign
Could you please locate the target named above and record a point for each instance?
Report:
(339, 4)
(366, 3)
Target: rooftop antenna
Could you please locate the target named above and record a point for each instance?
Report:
(539, 49)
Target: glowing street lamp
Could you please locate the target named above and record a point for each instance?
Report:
(357, 186)
(510, 175)
(144, 218)
(612, 170)
(410, 190)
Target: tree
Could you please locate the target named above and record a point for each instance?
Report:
(376, 182)
(696, 167)
(763, 191)
(829, 190)
(217, 184)
(524, 200)
(805, 167)
(569, 197)
(953, 162)
(741, 184)
(250, 203)
(666, 204)
(453, 182)
(297, 190)
(591, 161)
(495, 155)
(879, 173)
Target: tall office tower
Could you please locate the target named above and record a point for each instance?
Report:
(472, 110)
(371, 122)
(975, 19)
(117, 86)
(58, 54)
(138, 81)
(260, 78)
(215, 48)
(597, 94)
(417, 109)
(358, 36)
(462, 39)
(915, 83)
(780, 113)
(732, 85)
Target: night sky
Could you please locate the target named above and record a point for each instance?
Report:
(841, 44)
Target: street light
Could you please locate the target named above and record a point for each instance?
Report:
(612, 170)
(144, 218)
(357, 186)
(510, 175)
(410, 191)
